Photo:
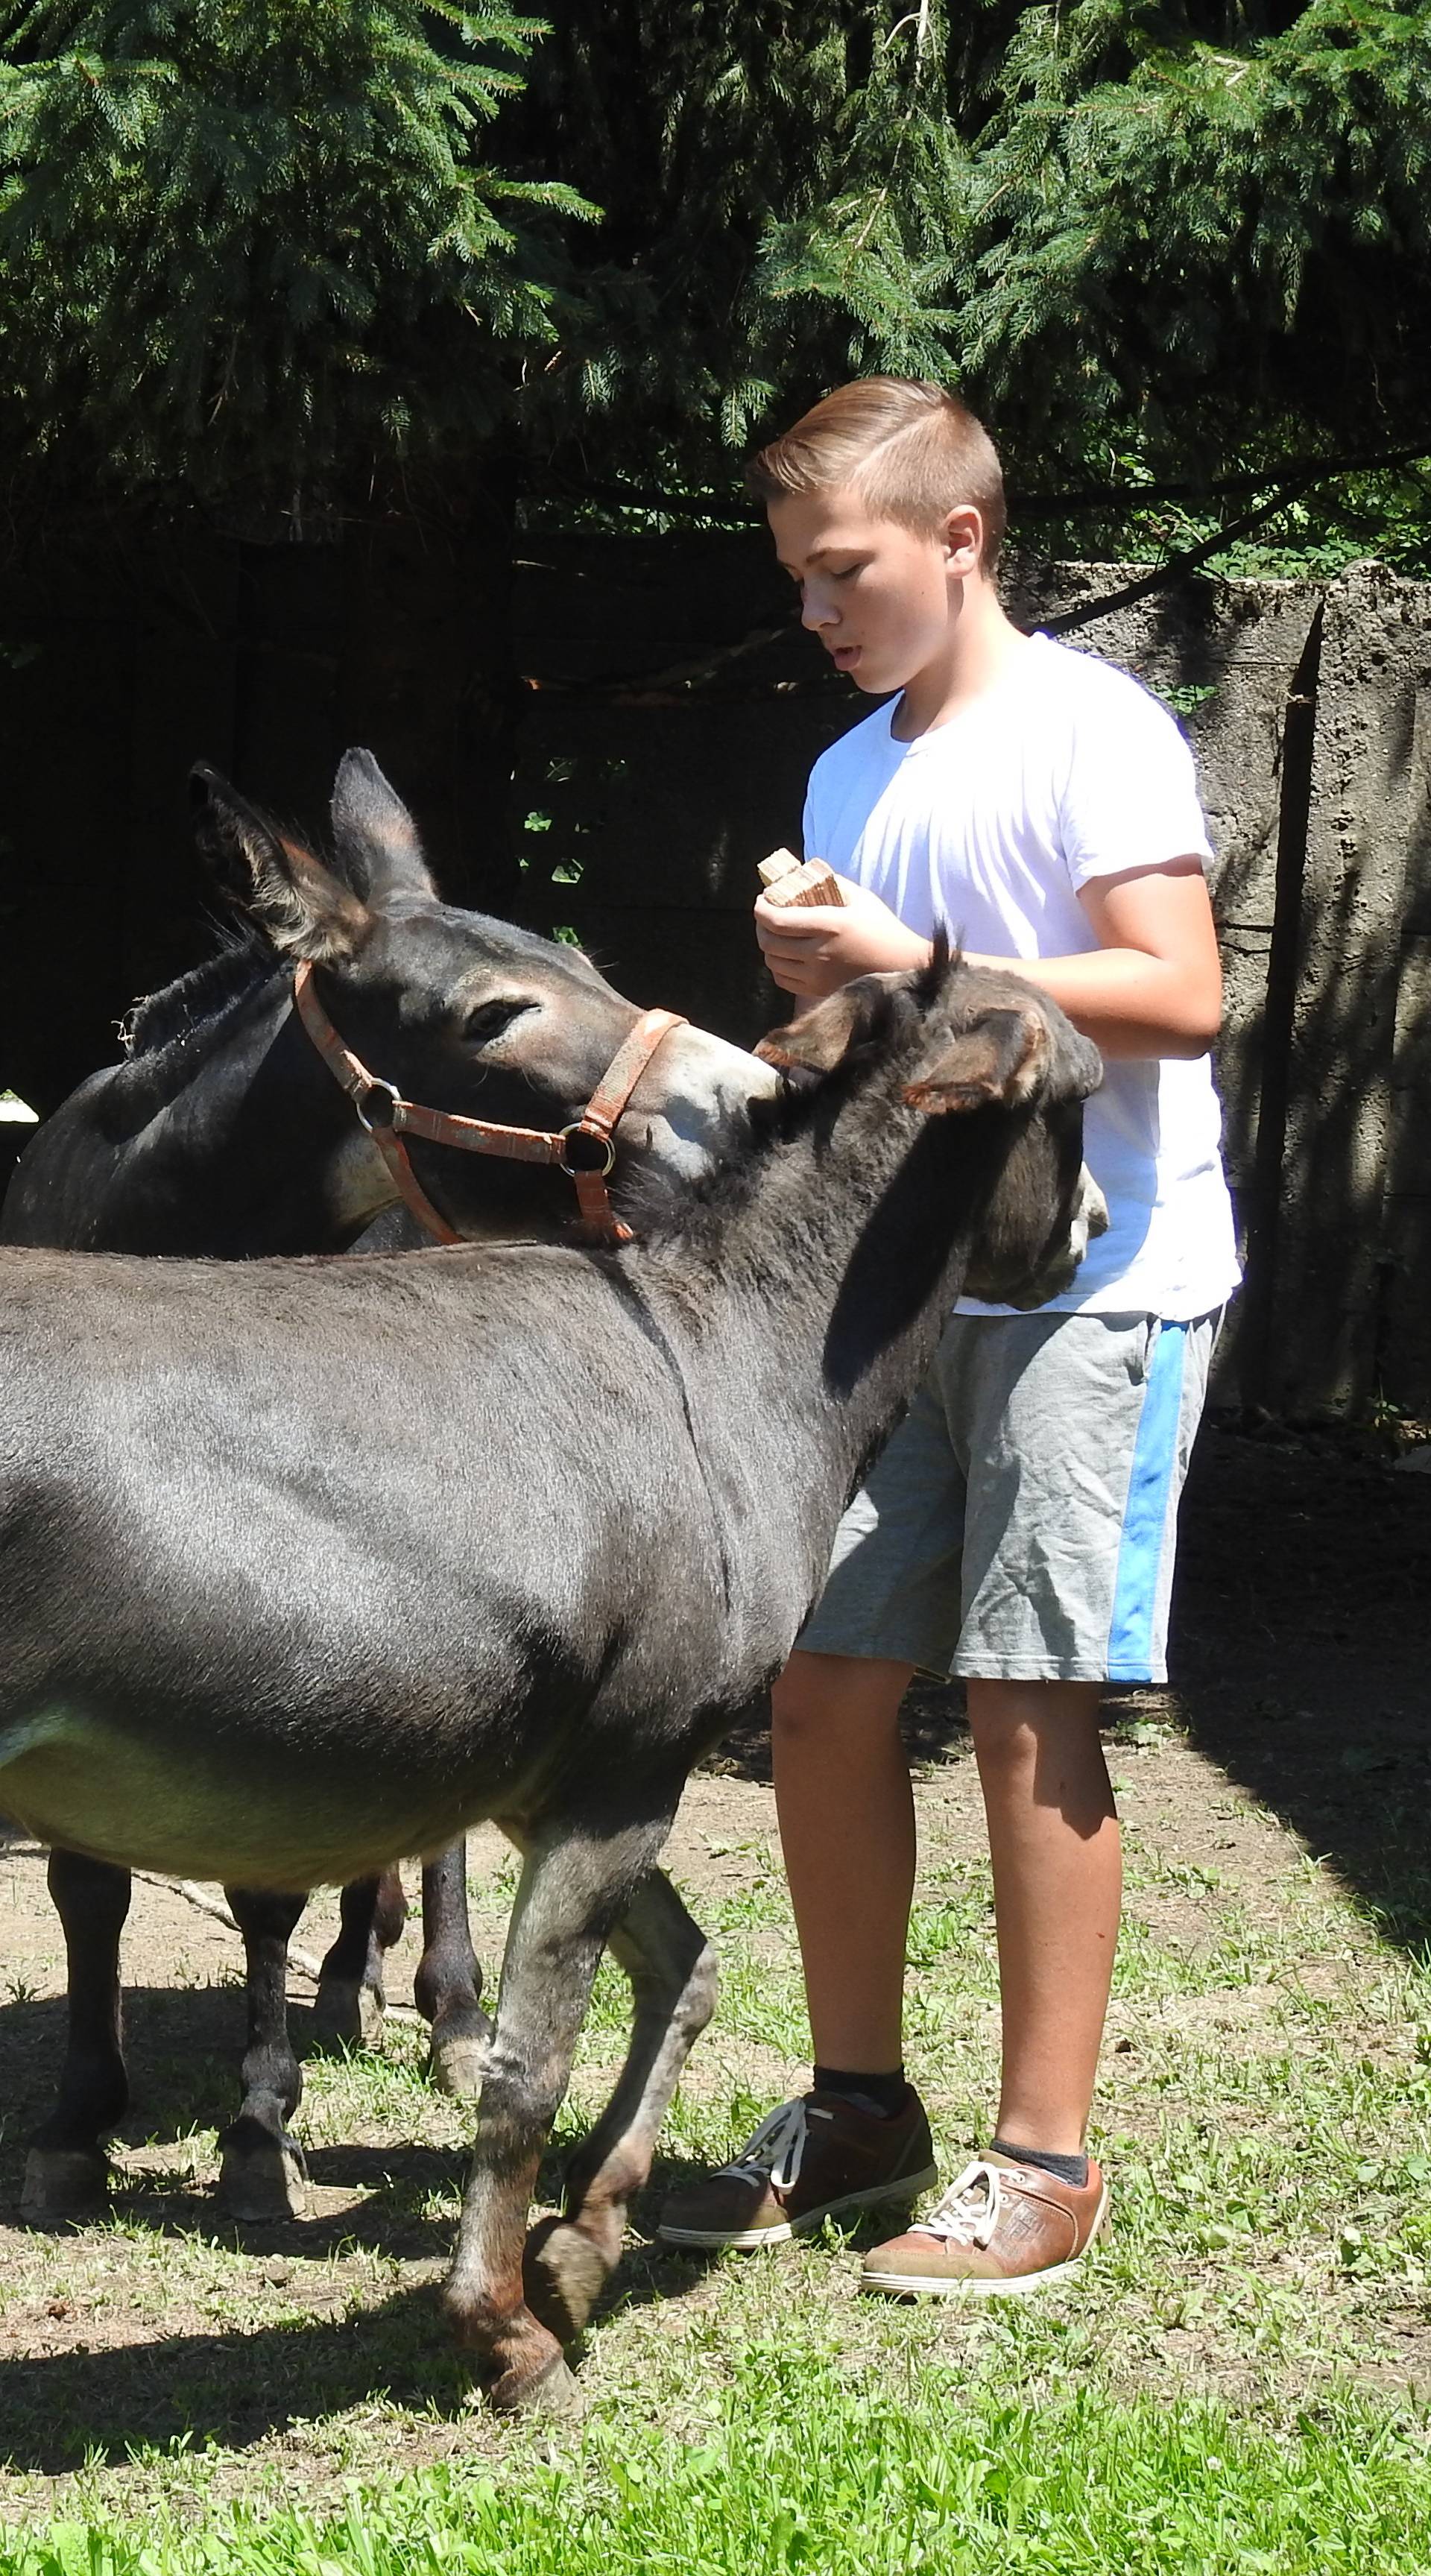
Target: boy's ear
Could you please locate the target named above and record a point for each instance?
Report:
(964, 537)
(1005, 1056)
(821, 1037)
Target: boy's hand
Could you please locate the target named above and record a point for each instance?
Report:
(813, 949)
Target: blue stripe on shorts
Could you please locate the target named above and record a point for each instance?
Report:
(1145, 1516)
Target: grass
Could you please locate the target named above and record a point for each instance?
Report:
(1238, 2381)
(800, 2469)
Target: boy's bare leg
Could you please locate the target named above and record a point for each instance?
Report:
(1053, 1838)
(847, 1828)
(847, 1831)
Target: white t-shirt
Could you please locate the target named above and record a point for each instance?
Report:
(1066, 770)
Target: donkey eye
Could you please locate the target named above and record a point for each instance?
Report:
(488, 1020)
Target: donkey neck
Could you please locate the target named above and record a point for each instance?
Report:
(261, 1126)
(822, 1298)
(227, 1139)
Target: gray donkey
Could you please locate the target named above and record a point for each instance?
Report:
(223, 1132)
(304, 1564)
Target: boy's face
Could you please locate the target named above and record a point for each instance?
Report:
(883, 600)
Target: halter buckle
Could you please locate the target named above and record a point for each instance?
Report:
(590, 1136)
(374, 1085)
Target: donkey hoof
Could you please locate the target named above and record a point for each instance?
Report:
(563, 2276)
(549, 2391)
(457, 2060)
(63, 2182)
(262, 2179)
(347, 2013)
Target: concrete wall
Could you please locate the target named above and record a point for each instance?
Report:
(666, 712)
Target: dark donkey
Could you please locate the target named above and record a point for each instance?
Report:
(526, 1530)
(225, 1134)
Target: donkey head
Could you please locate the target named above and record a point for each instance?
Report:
(983, 1046)
(460, 1012)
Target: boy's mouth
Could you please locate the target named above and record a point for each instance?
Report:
(844, 656)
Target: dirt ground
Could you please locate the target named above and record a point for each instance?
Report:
(1298, 1716)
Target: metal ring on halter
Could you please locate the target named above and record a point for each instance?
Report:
(376, 1083)
(572, 1170)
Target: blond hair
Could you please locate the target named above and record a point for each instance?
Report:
(910, 450)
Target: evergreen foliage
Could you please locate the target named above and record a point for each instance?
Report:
(245, 244)
(283, 246)
(1214, 231)
(1193, 226)
(1149, 241)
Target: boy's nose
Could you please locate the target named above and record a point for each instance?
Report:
(816, 612)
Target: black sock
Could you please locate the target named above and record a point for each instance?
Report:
(1069, 2169)
(885, 2094)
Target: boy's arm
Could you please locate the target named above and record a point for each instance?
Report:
(1152, 986)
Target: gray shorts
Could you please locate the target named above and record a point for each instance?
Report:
(1021, 1525)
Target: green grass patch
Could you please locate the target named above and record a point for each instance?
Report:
(1237, 2380)
(808, 2466)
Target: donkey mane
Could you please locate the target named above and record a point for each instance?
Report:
(700, 1219)
(178, 1010)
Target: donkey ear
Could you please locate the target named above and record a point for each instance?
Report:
(375, 836)
(1005, 1056)
(821, 1038)
(277, 884)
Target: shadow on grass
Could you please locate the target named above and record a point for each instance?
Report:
(225, 2387)
(183, 2047)
(390, 2220)
(236, 2388)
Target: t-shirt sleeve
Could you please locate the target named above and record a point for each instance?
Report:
(1130, 796)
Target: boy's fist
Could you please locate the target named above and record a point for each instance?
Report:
(813, 950)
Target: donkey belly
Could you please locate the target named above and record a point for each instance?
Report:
(94, 1786)
(264, 1622)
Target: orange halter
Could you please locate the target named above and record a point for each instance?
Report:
(387, 1118)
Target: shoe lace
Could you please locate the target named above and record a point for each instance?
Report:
(969, 2211)
(777, 2150)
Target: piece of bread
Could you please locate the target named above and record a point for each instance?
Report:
(786, 880)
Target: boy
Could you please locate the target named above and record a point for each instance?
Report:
(1019, 1529)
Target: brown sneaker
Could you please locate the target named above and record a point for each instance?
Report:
(815, 2158)
(1001, 2230)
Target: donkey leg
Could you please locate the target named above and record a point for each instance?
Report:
(348, 2007)
(448, 1985)
(574, 1884)
(262, 2176)
(66, 2171)
(672, 1969)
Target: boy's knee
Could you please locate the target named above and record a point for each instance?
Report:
(1004, 1715)
(826, 1695)
(1040, 1741)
